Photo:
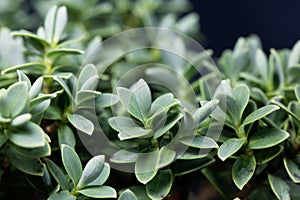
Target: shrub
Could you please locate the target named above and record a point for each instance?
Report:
(161, 127)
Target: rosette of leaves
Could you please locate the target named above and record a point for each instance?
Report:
(250, 137)
(45, 48)
(23, 141)
(148, 135)
(119, 16)
(78, 183)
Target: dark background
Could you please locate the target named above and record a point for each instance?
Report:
(276, 22)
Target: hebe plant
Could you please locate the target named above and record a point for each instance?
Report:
(244, 133)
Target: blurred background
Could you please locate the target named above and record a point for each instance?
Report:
(275, 22)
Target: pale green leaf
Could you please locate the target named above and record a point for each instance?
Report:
(17, 96)
(66, 136)
(28, 135)
(81, 123)
(99, 192)
(127, 195)
(199, 141)
(91, 171)
(229, 147)
(146, 166)
(72, 163)
(260, 113)
(267, 138)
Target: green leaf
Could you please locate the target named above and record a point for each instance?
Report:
(81, 123)
(229, 147)
(191, 153)
(229, 105)
(265, 155)
(199, 141)
(27, 165)
(242, 170)
(99, 192)
(267, 138)
(101, 179)
(17, 96)
(83, 97)
(106, 100)
(140, 101)
(61, 178)
(163, 103)
(166, 157)
(279, 187)
(91, 171)
(85, 74)
(127, 195)
(21, 119)
(294, 55)
(32, 37)
(4, 103)
(53, 54)
(124, 156)
(32, 152)
(49, 23)
(36, 88)
(241, 94)
(167, 126)
(61, 20)
(28, 135)
(63, 84)
(262, 63)
(3, 139)
(23, 77)
(27, 66)
(72, 163)
(146, 166)
(292, 170)
(260, 113)
(127, 128)
(160, 186)
(203, 112)
(297, 92)
(66, 136)
(63, 195)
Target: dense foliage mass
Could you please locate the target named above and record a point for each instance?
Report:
(235, 125)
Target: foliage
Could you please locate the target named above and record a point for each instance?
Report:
(242, 130)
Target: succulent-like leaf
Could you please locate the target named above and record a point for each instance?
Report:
(99, 192)
(267, 138)
(242, 170)
(260, 113)
(127, 128)
(229, 147)
(146, 166)
(29, 135)
(72, 163)
(27, 165)
(91, 171)
(61, 178)
(81, 123)
(199, 141)
(66, 136)
(127, 195)
(292, 170)
(160, 186)
(279, 187)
